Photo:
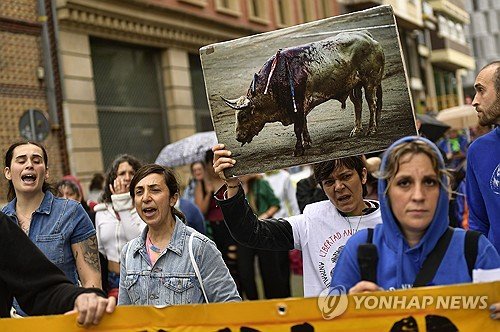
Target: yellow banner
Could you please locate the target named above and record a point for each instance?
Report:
(453, 308)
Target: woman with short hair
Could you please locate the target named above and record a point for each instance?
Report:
(320, 232)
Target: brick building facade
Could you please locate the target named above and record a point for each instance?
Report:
(130, 78)
(25, 53)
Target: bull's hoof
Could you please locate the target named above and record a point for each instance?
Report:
(370, 131)
(307, 145)
(355, 131)
(298, 152)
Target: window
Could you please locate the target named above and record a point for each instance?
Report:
(489, 45)
(307, 10)
(231, 7)
(283, 13)
(258, 11)
(475, 7)
(443, 26)
(129, 99)
(452, 30)
(494, 17)
(201, 109)
(460, 33)
(199, 3)
(427, 9)
(324, 8)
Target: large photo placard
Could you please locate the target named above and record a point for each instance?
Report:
(308, 93)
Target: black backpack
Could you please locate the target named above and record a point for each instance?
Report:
(433, 260)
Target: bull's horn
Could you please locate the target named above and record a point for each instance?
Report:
(238, 103)
(230, 101)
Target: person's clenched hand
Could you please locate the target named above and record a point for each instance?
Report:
(91, 308)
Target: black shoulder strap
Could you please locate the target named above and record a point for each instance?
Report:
(433, 260)
(368, 259)
(470, 249)
(369, 238)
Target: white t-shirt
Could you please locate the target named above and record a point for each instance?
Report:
(321, 232)
(283, 189)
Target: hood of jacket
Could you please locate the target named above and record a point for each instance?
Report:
(393, 236)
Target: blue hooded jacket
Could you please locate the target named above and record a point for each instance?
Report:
(399, 264)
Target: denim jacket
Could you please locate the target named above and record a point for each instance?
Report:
(55, 226)
(172, 279)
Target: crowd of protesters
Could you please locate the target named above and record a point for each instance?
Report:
(134, 232)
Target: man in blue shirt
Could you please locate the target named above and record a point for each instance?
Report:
(483, 158)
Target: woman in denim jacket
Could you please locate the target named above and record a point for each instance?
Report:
(156, 268)
(60, 228)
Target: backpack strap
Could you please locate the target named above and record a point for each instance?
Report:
(195, 266)
(369, 237)
(433, 260)
(470, 249)
(368, 259)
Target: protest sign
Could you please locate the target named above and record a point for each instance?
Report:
(448, 308)
(308, 93)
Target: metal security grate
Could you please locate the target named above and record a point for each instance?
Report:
(202, 112)
(129, 100)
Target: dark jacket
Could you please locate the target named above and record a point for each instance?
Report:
(309, 192)
(248, 230)
(39, 286)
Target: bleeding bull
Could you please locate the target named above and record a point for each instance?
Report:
(297, 79)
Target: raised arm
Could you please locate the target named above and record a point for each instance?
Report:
(130, 221)
(223, 161)
(270, 234)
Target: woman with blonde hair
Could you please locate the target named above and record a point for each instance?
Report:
(414, 244)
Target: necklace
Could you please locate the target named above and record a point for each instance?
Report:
(350, 227)
(154, 248)
(25, 222)
(366, 210)
(24, 217)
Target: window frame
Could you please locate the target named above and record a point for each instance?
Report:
(264, 17)
(287, 11)
(234, 8)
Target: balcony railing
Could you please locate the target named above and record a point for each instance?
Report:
(443, 101)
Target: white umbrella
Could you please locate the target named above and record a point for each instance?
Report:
(459, 117)
(187, 150)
